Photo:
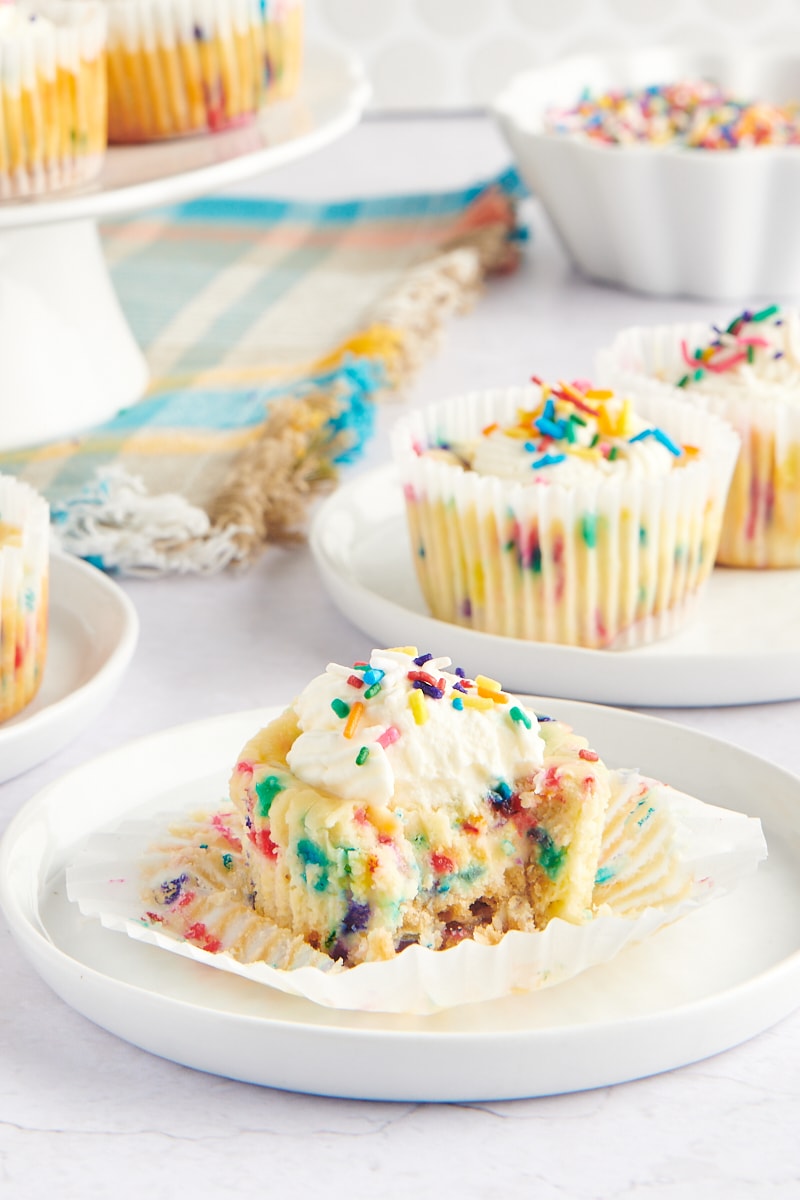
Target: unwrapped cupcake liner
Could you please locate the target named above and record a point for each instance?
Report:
(180, 883)
(24, 567)
(52, 97)
(612, 564)
(761, 525)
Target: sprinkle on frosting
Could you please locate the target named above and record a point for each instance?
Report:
(417, 706)
(417, 723)
(572, 424)
(751, 339)
(356, 713)
(690, 114)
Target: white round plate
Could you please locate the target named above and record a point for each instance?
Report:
(722, 975)
(333, 93)
(92, 636)
(743, 646)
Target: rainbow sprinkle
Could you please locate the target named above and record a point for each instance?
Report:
(690, 114)
(483, 694)
(734, 345)
(518, 714)
(356, 713)
(554, 430)
(417, 705)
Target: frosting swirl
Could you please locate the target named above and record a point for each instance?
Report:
(757, 354)
(404, 728)
(575, 435)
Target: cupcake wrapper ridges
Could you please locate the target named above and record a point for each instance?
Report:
(611, 565)
(761, 525)
(53, 100)
(24, 563)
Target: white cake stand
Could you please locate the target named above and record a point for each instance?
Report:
(67, 357)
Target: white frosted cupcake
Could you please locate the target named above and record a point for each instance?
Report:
(24, 567)
(747, 371)
(564, 513)
(52, 95)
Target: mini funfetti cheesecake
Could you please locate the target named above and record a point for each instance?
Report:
(747, 371)
(403, 838)
(398, 802)
(179, 67)
(564, 512)
(52, 95)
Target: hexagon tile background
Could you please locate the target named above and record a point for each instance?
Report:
(457, 54)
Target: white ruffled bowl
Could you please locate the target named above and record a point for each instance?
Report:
(662, 220)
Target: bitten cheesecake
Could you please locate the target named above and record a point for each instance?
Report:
(397, 801)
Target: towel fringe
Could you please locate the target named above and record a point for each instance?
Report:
(273, 481)
(116, 525)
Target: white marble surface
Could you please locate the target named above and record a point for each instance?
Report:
(84, 1115)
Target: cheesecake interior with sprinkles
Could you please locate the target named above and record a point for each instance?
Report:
(398, 802)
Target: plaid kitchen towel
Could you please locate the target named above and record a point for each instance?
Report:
(270, 328)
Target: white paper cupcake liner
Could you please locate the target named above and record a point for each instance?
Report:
(761, 526)
(178, 67)
(283, 46)
(637, 580)
(52, 132)
(695, 853)
(24, 567)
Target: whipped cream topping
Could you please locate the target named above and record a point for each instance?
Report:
(757, 354)
(574, 435)
(412, 741)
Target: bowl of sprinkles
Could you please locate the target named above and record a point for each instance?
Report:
(563, 512)
(747, 371)
(667, 171)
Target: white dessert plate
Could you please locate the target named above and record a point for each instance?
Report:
(743, 646)
(701, 986)
(92, 636)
